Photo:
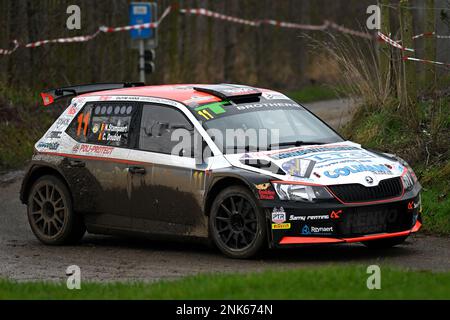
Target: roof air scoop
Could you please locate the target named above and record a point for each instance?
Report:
(230, 91)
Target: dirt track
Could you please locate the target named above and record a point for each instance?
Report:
(101, 258)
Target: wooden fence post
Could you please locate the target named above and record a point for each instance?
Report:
(409, 67)
(384, 51)
(429, 80)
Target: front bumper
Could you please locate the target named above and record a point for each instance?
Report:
(339, 223)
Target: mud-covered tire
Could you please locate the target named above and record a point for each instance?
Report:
(384, 243)
(237, 225)
(50, 213)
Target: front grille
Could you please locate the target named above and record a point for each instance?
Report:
(389, 188)
(375, 219)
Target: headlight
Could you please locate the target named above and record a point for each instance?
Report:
(298, 192)
(408, 181)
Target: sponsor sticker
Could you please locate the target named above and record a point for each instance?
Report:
(301, 168)
(87, 148)
(309, 218)
(264, 193)
(281, 226)
(71, 110)
(302, 151)
(53, 135)
(262, 186)
(307, 230)
(266, 105)
(95, 128)
(413, 205)
(48, 145)
(278, 215)
(347, 170)
(62, 122)
(336, 214)
(274, 96)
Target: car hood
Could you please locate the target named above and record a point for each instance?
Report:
(329, 164)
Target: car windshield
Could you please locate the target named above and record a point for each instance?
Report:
(282, 126)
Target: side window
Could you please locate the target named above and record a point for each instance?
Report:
(157, 125)
(107, 124)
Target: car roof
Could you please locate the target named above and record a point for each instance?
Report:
(184, 93)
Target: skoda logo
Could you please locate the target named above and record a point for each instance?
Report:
(369, 180)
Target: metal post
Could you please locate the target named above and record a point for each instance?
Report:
(142, 60)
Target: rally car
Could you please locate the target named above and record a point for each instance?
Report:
(113, 163)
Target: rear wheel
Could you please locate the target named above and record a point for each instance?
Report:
(51, 215)
(237, 225)
(384, 243)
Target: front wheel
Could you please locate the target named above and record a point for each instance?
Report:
(51, 215)
(384, 243)
(236, 223)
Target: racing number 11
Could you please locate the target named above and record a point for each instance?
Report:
(83, 118)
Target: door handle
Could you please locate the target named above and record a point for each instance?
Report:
(136, 170)
(77, 164)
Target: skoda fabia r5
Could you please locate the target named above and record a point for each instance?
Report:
(112, 164)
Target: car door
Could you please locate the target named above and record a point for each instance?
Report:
(98, 165)
(168, 187)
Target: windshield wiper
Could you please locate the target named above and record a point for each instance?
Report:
(297, 143)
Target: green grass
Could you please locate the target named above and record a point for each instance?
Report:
(313, 93)
(333, 282)
(436, 198)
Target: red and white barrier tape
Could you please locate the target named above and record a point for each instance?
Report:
(87, 37)
(8, 52)
(215, 15)
(393, 43)
(350, 31)
(200, 11)
(254, 23)
(430, 35)
(276, 23)
(405, 58)
(138, 26)
(63, 40)
(292, 25)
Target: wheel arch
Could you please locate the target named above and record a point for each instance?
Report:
(36, 172)
(219, 185)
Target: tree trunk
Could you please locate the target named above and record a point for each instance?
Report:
(409, 68)
(385, 51)
(429, 81)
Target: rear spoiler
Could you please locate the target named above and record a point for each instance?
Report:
(231, 92)
(52, 95)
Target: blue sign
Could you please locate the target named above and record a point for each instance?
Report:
(141, 12)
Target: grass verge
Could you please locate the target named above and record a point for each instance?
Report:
(426, 149)
(22, 122)
(333, 282)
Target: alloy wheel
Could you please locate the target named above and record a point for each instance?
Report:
(48, 210)
(236, 222)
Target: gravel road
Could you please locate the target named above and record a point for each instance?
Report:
(103, 258)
